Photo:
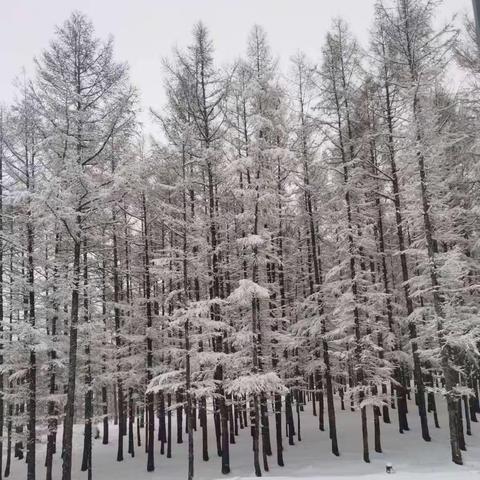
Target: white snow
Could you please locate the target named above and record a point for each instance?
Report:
(310, 459)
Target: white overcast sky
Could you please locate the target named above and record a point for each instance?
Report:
(146, 30)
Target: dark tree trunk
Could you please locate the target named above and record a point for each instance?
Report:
(149, 344)
(161, 424)
(376, 424)
(87, 434)
(297, 407)
(194, 413)
(32, 372)
(460, 431)
(131, 420)
(52, 406)
(278, 429)
(401, 391)
(8, 460)
(432, 406)
(188, 406)
(385, 409)
(179, 400)
(169, 426)
(289, 419)
(266, 442)
(256, 436)
(118, 342)
(332, 424)
(468, 425)
(217, 426)
(225, 438)
(115, 405)
(231, 420)
(366, 454)
(265, 432)
(312, 385)
(105, 415)
(473, 410)
(203, 424)
(72, 366)
(321, 404)
(139, 437)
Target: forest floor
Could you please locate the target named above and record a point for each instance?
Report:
(310, 459)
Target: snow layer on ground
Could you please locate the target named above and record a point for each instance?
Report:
(310, 459)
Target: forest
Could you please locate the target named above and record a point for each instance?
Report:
(304, 237)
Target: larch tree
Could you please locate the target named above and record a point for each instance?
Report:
(83, 97)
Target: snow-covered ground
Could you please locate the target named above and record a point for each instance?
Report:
(309, 459)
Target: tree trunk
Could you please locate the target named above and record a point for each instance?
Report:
(118, 342)
(139, 437)
(278, 429)
(72, 366)
(169, 426)
(376, 424)
(332, 424)
(417, 371)
(32, 372)
(321, 403)
(467, 416)
(366, 455)
(179, 400)
(256, 437)
(161, 424)
(289, 419)
(203, 424)
(131, 419)
(149, 363)
(8, 460)
(87, 434)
